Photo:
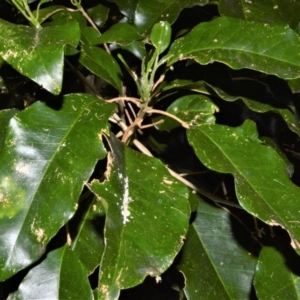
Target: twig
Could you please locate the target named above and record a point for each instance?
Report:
(144, 150)
(80, 8)
(161, 112)
(136, 101)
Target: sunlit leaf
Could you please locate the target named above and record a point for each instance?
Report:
(146, 220)
(59, 276)
(38, 53)
(46, 158)
(241, 44)
(212, 261)
(262, 184)
(273, 278)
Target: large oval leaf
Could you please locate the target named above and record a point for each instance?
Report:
(38, 53)
(147, 219)
(241, 44)
(59, 276)
(220, 260)
(261, 181)
(46, 158)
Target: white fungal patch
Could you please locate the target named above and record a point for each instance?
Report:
(125, 203)
(22, 168)
(38, 232)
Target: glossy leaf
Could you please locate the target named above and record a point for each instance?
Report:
(59, 276)
(281, 12)
(203, 87)
(146, 219)
(193, 109)
(273, 278)
(5, 116)
(120, 33)
(241, 44)
(261, 182)
(99, 62)
(42, 173)
(88, 245)
(38, 53)
(220, 260)
(47, 12)
(137, 48)
(143, 14)
(99, 14)
(67, 16)
(161, 36)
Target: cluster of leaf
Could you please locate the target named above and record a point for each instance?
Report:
(147, 139)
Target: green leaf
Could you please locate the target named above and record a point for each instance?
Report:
(89, 36)
(88, 244)
(241, 44)
(261, 181)
(280, 12)
(99, 14)
(66, 16)
(38, 53)
(233, 8)
(102, 64)
(5, 116)
(161, 36)
(203, 87)
(143, 14)
(120, 33)
(193, 109)
(283, 284)
(146, 220)
(59, 276)
(212, 261)
(294, 85)
(42, 173)
(289, 167)
(137, 48)
(47, 12)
